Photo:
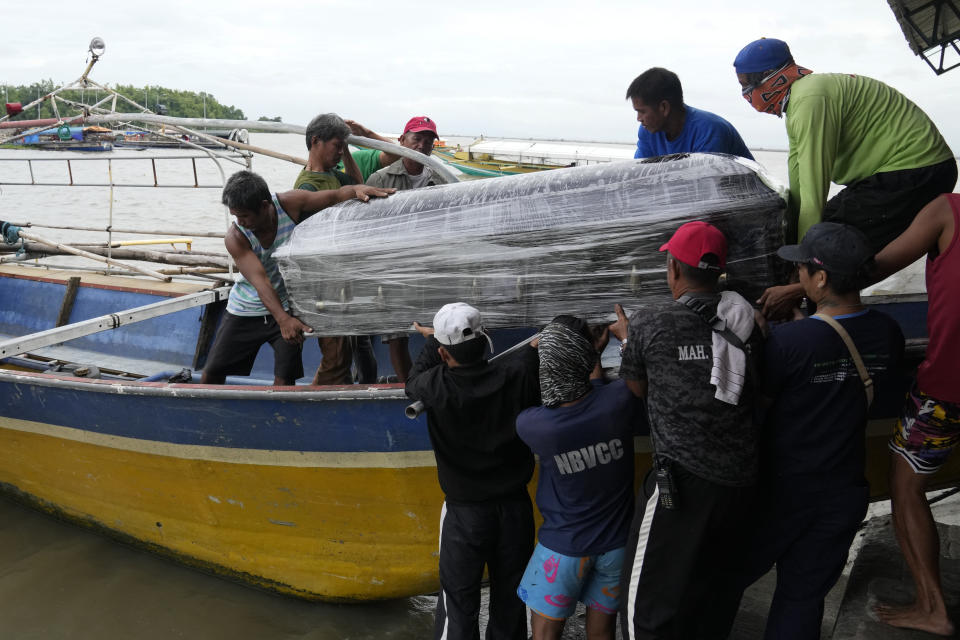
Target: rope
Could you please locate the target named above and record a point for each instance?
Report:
(10, 232)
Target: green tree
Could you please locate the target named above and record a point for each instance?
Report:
(181, 104)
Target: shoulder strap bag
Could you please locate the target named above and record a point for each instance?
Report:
(852, 348)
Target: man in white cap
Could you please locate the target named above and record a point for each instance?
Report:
(483, 468)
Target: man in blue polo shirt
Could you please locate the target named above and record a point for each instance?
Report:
(583, 436)
(670, 126)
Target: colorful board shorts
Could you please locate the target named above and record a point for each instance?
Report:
(553, 582)
(927, 432)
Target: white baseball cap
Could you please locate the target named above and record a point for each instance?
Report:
(458, 322)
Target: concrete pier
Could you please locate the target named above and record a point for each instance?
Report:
(875, 572)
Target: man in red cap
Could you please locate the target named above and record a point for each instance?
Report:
(703, 347)
(419, 134)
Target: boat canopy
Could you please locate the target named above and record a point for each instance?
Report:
(932, 30)
(76, 133)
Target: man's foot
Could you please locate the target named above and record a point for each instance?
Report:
(913, 617)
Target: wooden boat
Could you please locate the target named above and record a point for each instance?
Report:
(322, 493)
(325, 493)
(66, 138)
(484, 165)
(490, 158)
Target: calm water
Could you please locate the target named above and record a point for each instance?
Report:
(60, 581)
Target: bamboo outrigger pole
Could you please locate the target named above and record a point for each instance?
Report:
(261, 150)
(92, 256)
(192, 259)
(436, 164)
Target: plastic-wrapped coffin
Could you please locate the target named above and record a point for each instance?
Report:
(526, 248)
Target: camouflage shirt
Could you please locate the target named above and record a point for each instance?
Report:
(670, 347)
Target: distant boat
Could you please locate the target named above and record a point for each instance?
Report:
(491, 158)
(67, 138)
(174, 140)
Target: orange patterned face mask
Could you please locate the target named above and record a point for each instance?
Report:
(770, 94)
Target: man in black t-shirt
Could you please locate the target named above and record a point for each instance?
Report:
(693, 358)
(483, 468)
(814, 493)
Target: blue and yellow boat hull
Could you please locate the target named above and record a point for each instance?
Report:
(290, 490)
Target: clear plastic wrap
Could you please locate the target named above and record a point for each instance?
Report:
(526, 248)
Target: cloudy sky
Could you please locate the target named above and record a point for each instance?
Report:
(556, 70)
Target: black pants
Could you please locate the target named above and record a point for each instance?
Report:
(884, 204)
(238, 340)
(498, 534)
(365, 360)
(677, 560)
(807, 534)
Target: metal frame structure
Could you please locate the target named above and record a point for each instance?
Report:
(932, 29)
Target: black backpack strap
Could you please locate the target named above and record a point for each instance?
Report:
(701, 309)
(719, 326)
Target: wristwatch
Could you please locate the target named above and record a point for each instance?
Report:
(623, 345)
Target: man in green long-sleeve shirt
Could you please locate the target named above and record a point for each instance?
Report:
(851, 130)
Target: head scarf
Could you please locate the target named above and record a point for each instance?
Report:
(566, 360)
(770, 95)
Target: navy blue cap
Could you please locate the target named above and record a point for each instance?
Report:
(761, 55)
(837, 248)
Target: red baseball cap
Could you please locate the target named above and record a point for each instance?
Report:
(421, 123)
(694, 240)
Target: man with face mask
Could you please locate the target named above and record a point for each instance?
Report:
(850, 130)
(583, 435)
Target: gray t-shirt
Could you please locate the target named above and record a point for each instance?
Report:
(670, 347)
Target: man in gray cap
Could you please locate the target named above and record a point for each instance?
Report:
(813, 490)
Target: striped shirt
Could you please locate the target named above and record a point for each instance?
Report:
(244, 299)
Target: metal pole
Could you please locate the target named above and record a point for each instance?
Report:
(414, 409)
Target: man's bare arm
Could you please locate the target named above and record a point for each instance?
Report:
(350, 166)
(638, 387)
(252, 269)
(359, 130)
(778, 303)
(931, 229)
(300, 203)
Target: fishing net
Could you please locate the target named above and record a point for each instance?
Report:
(526, 248)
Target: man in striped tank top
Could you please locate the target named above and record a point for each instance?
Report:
(258, 309)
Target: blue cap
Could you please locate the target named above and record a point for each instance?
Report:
(761, 55)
